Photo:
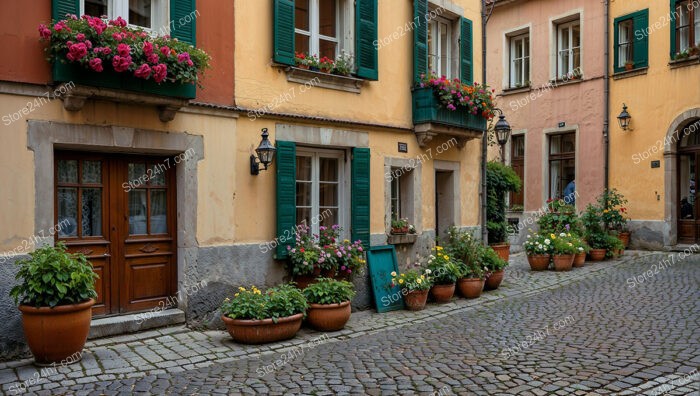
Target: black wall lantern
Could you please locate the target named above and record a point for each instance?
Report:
(624, 118)
(502, 129)
(266, 152)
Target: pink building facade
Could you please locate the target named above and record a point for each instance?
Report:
(545, 59)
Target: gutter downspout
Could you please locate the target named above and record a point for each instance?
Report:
(484, 141)
(606, 122)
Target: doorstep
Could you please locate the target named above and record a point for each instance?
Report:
(132, 323)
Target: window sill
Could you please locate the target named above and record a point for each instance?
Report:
(513, 91)
(406, 239)
(693, 60)
(323, 80)
(630, 73)
(560, 82)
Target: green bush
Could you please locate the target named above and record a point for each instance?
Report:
(277, 302)
(491, 261)
(500, 180)
(329, 291)
(462, 245)
(52, 276)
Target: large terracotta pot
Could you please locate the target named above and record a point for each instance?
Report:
(263, 331)
(625, 238)
(563, 262)
(470, 287)
(579, 260)
(303, 281)
(502, 249)
(57, 335)
(538, 262)
(597, 254)
(328, 317)
(442, 293)
(415, 299)
(328, 273)
(493, 281)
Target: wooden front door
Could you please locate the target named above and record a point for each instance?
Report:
(120, 212)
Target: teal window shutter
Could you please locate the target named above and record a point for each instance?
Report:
(420, 38)
(360, 196)
(640, 51)
(286, 196)
(673, 28)
(366, 56)
(183, 17)
(59, 8)
(466, 52)
(284, 32)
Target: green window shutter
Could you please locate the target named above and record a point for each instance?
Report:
(616, 45)
(284, 32)
(183, 17)
(640, 49)
(466, 52)
(420, 38)
(360, 196)
(286, 196)
(673, 28)
(366, 38)
(59, 8)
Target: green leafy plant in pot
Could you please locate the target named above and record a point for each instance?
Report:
(500, 180)
(494, 266)
(444, 272)
(56, 292)
(329, 304)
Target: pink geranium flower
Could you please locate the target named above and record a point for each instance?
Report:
(165, 50)
(80, 37)
(153, 58)
(147, 48)
(123, 50)
(185, 57)
(118, 22)
(160, 72)
(121, 63)
(143, 71)
(96, 64)
(44, 32)
(77, 52)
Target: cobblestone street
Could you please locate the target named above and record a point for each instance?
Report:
(592, 331)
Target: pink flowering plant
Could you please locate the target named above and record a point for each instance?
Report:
(97, 45)
(453, 94)
(325, 251)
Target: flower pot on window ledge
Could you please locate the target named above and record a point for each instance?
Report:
(399, 231)
(629, 66)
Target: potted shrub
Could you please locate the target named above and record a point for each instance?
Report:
(414, 287)
(611, 204)
(560, 217)
(614, 246)
(629, 65)
(581, 250)
(599, 246)
(400, 226)
(254, 317)
(563, 251)
(595, 233)
(538, 248)
(471, 280)
(305, 258)
(56, 292)
(501, 180)
(329, 304)
(443, 273)
(494, 266)
(462, 246)
(325, 64)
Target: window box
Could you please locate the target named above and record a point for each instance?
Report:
(431, 118)
(324, 80)
(692, 60)
(406, 239)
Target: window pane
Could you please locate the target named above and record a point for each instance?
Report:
(555, 144)
(304, 216)
(301, 43)
(564, 37)
(576, 35)
(156, 174)
(526, 78)
(301, 15)
(92, 172)
(577, 59)
(68, 212)
(159, 212)
(92, 212)
(432, 46)
(329, 217)
(97, 8)
(304, 168)
(140, 13)
(327, 48)
(568, 143)
(329, 169)
(137, 173)
(67, 171)
(687, 186)
(137, 212)
(444, 49)
(526, 46)
(518, 72)
(518, 48)
(328, 194)
(564, 62)
(303, 194)
(697, 26)
(327, 18)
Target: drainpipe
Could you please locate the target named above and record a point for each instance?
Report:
(484, 141)
(606, 122)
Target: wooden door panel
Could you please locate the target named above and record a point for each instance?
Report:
(148, 271)
(98, 253)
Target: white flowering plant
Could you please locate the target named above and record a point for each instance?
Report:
(538, 243)
(412, 280)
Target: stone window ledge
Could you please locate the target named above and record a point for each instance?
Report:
(693, 60)
(324, 80)
(515, 90)
(630, 73)
(405, 239)
(559, 82)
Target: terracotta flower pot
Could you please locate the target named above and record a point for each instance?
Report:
(328, 273)
(263, 331)
(415, 299)
(305, 67)
(629, 66)
(303, 281)
(538, 262)
(56, 334)
(502, 249)
(470, 287)
(625, 238)
(597, 254)
(579, 260)
(493, 281)
(399, 231)
(563, 262)
(328, 317)
(442, 293)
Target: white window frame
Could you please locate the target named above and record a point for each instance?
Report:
(623, 52)
(160, 14)
(395, 181)
(561, 71)
(315, 155)
(436, 59)
(344, 22)
(515, 41)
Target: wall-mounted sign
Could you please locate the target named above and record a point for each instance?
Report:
(562, 124)
(403, 147)
(656, 164)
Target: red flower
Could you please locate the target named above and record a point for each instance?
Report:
(44, 32)
(301, 250)
(77, 52)
(144, 71)
(96, 64)
(160, 71)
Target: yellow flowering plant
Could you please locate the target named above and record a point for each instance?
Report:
(443, 267)
(412, 280)
(253, 304)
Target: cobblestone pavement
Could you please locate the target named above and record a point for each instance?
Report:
(592, 331)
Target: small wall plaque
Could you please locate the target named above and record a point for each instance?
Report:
(403, 147)
(562, 124)
(656, 164)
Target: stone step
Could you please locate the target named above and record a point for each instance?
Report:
(132, 323)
